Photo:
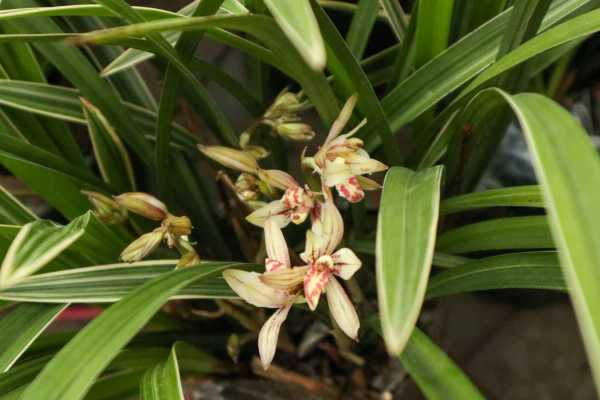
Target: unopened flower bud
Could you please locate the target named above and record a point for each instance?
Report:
(244, 139)
(106, 209)
(189, 259)
(143, 246)
(258, 152)
(276, 178)
(233, 347)
(143, 204)
(179, 226)
(285, 103)
(246, 187)
(295, 131)
(238, 160)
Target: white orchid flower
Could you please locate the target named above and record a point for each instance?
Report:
(342, 161)
(324, 263)
(295, 205)
(270, 289)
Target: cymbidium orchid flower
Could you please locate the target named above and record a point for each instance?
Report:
(252, 287)
(295, 204)
(342, 161)
(324, 263)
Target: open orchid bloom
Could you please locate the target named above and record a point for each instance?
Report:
(324, 263)
(295, 205)
(276, 288)
(342, 161)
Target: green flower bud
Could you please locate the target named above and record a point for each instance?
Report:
(143, 204)
(143, 246)
(106, 209)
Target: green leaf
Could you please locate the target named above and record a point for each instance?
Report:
(432, 33)
(406, 229)
(439, 259)
(111, 154)
(36, 244)
(297, 21)
(40, 159)
(352, 79)
(110, 283)
(396, 17)
(21, 327)
(77, 69)
(185, 47)
(361, 26)
(132, 57)
(535, 270)
(498, 234)
(214, 115)
(63, 103)
(287, 58)
(458, 64)
(120, 385)
(568, 169)
(68, 376)
(162, 381)
(438, 377)
(572, 29)
(12, 211)
(518, 196)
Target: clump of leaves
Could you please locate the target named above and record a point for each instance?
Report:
(172, 243)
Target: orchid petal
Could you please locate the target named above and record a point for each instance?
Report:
(351, 190)
(368, 184)
(249, 287)
(269, 334)
(361, 164)
(346, 263)
(342, 119)
(275, 210)
(235, 159)
(336, 171)
(276, 178)
(284, 279)
(329, 225)
(315, 282)
(275, 243)
(314, 247)
(342, 309)
(274, 265)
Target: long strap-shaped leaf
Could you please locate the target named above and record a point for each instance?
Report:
(73, 370)
(438, 377)
(406, 231)
(534, 270)
(109, 284)
(361, 26)
(110, 152)
(568, 169)
(185, 48)
(74, 66)
(21, 327)
(459, 63)
(12, 211)
(498, 234)
(162, 381)
(63, 103)
(352, 79)
(297, 21)
(518, 196)
(37, 244)
(314, 83)
(434, 372)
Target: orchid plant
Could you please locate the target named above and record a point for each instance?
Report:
(312, 176)
(340, 162)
